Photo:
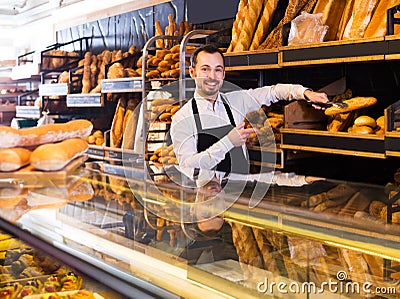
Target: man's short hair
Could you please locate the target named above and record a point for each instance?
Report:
(211, 49)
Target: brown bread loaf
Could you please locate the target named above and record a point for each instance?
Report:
(331, 11)
(347, 12)
(377, 26)
(360, 18)
(237, 25)
(118, 123)
(86, 83)
(10, 137)
(54, 156)
(12, 159)
(274, 39)
(159, 31)
(263, 24)
(252, 12)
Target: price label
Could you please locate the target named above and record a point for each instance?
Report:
(133, 84)
(59, 89)
(84, 100)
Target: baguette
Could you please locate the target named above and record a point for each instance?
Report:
(55, 156)
(12, 159)
(347, 11)
(10, 137)
(352, 104)
(330, 10)
(237, 24)
(263, 24)
(254, 8)
(377, 26)
(360, 18)
(118, 123)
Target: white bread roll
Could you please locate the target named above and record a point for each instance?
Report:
(12, 159)
(54, 156)
(10, 137)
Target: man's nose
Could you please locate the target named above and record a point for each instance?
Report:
(211, 74)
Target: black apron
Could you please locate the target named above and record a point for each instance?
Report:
(234, 161)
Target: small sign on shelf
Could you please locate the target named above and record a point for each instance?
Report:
(85, 100)
(132, 84)
(57, 89)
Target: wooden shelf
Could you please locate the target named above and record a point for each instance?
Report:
(360, 50)
(342, 143)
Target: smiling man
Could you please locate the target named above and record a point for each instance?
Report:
(208, 131)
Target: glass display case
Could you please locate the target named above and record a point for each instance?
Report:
(157, 239)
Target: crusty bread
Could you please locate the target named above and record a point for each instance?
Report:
(237, 25)
(12, 159)
(263, 24)
(253, 10)
(330, 10)
(360, 18)
(118, 123)
(365, 120)
(347, 12)
(55, 156)
(352, 104)
(377, 26)
(10, 137)
(159, 31)
(274, 38)
(86, 83)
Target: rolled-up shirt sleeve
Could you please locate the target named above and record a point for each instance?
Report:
(184, 138)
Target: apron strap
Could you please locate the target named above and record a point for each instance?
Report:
(228, 110)
(197, 117)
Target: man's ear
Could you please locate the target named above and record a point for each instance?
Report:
(192, 72)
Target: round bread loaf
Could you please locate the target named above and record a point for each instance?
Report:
(365, 120)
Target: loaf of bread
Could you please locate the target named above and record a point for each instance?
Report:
(55, 156)
(330, 10)
(117, 128)
(10, 137)
(352, 104)
(253, 10)
(347, 12)
(86, 83)
(159, 31)
(237, 25)
(360, 18)
(274, 38)
(263, 24)
(12, 159)
(377, 25)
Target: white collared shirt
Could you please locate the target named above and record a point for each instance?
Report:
(184, 132)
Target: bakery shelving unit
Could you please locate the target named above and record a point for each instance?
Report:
(49, 72)
(17, 98)
(335, 52)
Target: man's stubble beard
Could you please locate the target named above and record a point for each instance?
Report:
(207, 91)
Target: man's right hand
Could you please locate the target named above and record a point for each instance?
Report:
(239, 135)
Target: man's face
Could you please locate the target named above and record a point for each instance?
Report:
(209, 74)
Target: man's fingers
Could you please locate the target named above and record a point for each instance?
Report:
(240, 126)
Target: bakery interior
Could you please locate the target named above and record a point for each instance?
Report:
(99, 83)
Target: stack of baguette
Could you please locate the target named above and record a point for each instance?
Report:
(254, 29)
(47, 148)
